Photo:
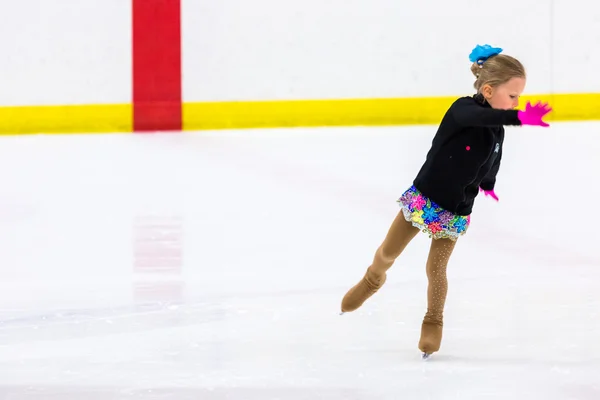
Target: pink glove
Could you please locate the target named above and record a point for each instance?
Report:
(489, 193)
(533, 114)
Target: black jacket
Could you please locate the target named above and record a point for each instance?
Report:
(465, 154)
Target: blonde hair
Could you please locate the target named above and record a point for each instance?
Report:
(497, 70)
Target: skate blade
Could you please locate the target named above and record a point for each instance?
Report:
(425, 356)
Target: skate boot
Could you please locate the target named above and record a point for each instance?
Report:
(364, 289)
(431, 336)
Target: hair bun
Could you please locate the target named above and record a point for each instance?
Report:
(476, 68)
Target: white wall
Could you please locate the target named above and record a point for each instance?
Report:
(65, 52)
(288, 49)
(79, 51)
(575, 41)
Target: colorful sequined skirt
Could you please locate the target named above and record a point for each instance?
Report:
(430, 218)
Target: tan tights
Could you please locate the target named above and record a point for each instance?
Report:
(399, 235)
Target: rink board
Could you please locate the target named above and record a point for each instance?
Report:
(111, 118)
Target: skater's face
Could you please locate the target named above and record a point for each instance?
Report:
(506, 95)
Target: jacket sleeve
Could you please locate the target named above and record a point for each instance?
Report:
(468, 113)
(489, 181)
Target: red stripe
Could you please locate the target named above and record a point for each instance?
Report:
(157, 65)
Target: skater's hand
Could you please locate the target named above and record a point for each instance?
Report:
(490, 193)
(533, 114)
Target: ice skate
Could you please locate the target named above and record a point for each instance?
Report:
(367, 287)
(431, 337)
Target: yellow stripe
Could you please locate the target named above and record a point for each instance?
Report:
(359, 112)
(570, 107)
(272, 114)
(66, 119)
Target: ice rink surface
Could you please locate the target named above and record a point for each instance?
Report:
(211, 266)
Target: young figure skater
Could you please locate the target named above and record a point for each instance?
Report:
(464, 159)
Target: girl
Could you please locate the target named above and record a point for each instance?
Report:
(464, 159)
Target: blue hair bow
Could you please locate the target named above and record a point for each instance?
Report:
(482, 53)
